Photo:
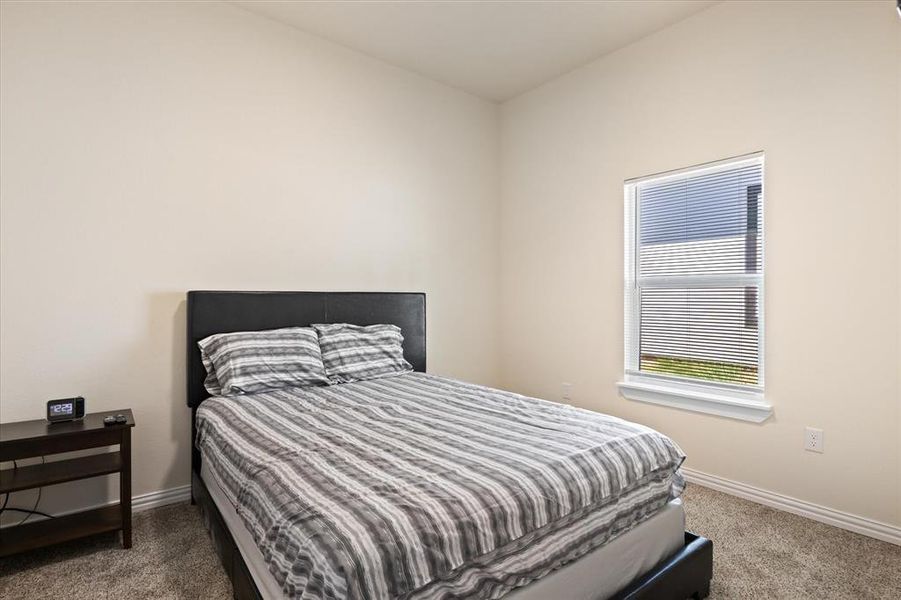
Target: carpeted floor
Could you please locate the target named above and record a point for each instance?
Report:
(758, 553)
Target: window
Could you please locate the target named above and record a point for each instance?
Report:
(694, 289)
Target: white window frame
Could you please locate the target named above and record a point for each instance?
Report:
(745, 402)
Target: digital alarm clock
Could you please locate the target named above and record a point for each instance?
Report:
(65, 409)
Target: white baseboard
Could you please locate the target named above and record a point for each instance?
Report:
(139, 503)
(150, 500)
(829, 516)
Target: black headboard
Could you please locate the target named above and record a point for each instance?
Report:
(212, 312)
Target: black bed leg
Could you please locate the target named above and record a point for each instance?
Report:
(702, 593)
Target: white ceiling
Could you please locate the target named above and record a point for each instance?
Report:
(492, 49)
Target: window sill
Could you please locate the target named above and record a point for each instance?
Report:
(735, 404)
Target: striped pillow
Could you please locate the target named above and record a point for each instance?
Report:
(245, 362)
(354, 352)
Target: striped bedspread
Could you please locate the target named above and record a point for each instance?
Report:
(420, 487)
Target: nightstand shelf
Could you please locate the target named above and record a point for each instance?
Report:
(61, 529)
(38, 438)
(24, 478)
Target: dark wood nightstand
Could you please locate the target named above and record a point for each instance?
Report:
(29, 439)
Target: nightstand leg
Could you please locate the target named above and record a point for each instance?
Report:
(125, 487)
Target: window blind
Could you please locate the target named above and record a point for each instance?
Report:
(697, 274)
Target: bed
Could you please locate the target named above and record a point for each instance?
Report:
(461, 491)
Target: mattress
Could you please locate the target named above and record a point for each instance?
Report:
(421, 487)
(597, 575)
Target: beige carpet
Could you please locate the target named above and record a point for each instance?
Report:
(759, 553)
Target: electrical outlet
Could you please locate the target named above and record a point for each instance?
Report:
(813, 440)
(566, 391)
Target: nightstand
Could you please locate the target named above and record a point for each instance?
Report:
(29, 439)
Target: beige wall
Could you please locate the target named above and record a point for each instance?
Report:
(818, 91)
(151, 149)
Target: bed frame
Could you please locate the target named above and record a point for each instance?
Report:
(685, 574)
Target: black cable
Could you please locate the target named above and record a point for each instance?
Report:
(34, 509)
(6, 500)
(30, 511)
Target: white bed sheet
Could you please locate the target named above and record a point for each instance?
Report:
(597, 575)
